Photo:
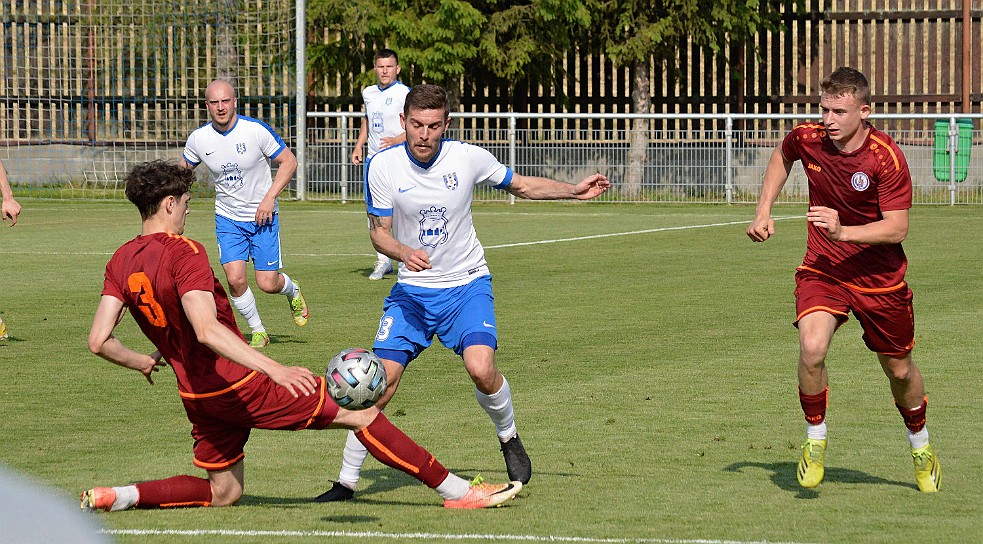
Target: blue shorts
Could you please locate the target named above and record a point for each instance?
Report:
(459, 317)
(240, 240)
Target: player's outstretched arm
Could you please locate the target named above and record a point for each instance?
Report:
(199, 306)
(105, 345)
(536, 188)
(763, 226)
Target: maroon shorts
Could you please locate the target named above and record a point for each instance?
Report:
(221, 423)
(887, 319)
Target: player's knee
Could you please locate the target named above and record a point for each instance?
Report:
(813, 352)
(237, 284)
(899, 373)
(488, 381)
(269, 283)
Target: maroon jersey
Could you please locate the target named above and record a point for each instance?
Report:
(860, 186)
(150, 274)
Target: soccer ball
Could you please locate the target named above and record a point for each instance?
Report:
(356, 378)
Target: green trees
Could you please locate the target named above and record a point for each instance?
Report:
(442, 41)
(634, 33)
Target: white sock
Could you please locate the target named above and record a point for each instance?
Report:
(380, 258)
(919, 439)
(289, 287)
(246, 304)
(453, 487)
(126, 498)
(498, 406)
(816, 432)
(351, 461)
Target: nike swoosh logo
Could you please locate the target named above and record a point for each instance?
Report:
(271, 263)
(209, 152)
(403, 190)
(485, 323)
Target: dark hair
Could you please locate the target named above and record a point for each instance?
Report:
(844, 81)
(149, 183)
(387, 53)
(426, 97)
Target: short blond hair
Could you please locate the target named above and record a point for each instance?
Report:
(844, 81)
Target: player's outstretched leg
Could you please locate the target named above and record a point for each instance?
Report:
(173, 492)
(393, 448)
(811, 470)
(928, 470)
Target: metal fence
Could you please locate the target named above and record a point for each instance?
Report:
(709, 166)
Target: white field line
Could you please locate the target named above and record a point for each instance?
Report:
(498, 246)
(634, 232)
(422, 536)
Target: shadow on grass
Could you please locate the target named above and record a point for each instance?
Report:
(783, 476)
(278, 338)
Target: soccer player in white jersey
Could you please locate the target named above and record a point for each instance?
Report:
(237, 150)
(418, 200)
(381, 127)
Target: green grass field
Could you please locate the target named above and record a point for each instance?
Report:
(649, 349)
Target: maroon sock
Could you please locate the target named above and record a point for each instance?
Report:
(393, 448)
(814, 406)
(176, 491)
(914, 418)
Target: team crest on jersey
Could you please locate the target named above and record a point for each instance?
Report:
(231, 176)
(450, 181)
(433, 226)
(860, 181)
(241, 148)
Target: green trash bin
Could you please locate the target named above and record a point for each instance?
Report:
(940, 161)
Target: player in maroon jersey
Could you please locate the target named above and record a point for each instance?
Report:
(227, 387)
(859, 197)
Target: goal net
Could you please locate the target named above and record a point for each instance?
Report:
(90, 87)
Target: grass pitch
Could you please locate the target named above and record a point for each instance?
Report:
(650, 353)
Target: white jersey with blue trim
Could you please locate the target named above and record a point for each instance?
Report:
(430, 205)
(382, 109)
(239, 162)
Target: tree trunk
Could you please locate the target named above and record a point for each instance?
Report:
(638, 151)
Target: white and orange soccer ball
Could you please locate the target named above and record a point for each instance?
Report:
(355, 378)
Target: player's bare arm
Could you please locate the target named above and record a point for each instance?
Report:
(363, 136)
(392, 140)
(286, 163)
(536, 188)
(892, 229)
(9, 208)
(200, 308)
(105, 345)
(381, 234)
(776, 174)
